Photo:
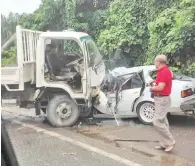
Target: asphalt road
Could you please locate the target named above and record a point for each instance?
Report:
(34, 148)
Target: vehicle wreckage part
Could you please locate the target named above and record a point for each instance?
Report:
(95, 92)
(86, 112)
(62, 111)
(104, 104)
(113, 112)
(100, 103)
(145, 112)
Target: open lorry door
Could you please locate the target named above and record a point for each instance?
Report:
(94, 66)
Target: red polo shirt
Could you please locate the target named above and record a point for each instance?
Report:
(164, 75)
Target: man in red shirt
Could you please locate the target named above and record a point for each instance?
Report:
(161, 92)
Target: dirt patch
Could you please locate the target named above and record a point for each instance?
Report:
(94, 132)
(170, 160)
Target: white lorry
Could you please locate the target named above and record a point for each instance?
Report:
(58, 73)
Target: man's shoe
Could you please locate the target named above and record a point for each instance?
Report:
(159, 148)
(169, 148)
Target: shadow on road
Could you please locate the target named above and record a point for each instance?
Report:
(182, 120)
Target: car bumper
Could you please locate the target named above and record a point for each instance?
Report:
(188, 105)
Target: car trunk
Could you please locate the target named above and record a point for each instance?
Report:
(185, 78)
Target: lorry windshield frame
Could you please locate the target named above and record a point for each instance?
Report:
(95, 58)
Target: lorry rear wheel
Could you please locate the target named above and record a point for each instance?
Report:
(62, 111)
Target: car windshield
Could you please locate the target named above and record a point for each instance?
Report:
(95, 58)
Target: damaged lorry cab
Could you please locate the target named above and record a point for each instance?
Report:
(58, 73)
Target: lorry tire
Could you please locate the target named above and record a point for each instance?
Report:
(145, 111)
(62, 111)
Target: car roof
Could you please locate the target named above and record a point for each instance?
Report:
(144, 68)
(136, 69)
(126, 71)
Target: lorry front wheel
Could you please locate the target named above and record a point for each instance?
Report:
(62, 111)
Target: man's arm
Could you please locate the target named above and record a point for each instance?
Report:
(162, 83)
(158, 88)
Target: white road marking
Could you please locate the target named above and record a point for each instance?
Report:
(82, 145)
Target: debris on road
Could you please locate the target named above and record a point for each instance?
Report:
(74, 154)
(19, 128)
(134, 140)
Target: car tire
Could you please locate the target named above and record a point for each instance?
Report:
(62, 111)
(145, 111)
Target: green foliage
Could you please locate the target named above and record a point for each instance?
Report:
(140, 28)
(189, 68)
(8, 26)
(144, 29)
(172, 33)
(94, 20)
(9, 57)
(53, 15)
(171, 30)
(83, 6)
(125, 28)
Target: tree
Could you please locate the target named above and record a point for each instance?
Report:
(8, 26)
(126, 28)
(144, 28)
(53, 15)
(83, 6)
(172, 33)
(141, 29)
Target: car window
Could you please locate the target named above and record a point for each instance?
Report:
(134, 82)
(153, 74)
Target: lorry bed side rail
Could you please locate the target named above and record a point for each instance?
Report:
(24, 71)
(28, 45)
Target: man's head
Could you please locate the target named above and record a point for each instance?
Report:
(160, 61)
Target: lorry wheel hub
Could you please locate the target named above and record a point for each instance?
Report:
(64, 111)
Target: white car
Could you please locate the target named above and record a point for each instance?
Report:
(135, 97)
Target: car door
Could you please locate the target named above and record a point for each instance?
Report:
(131, 91)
